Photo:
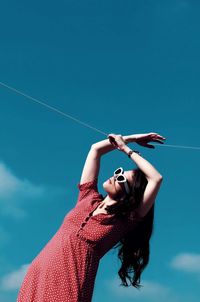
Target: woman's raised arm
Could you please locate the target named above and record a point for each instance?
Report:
(105, 145)
(147, 168)
(92, 163)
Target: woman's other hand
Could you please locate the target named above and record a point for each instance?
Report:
(117, 141)
(144, 139)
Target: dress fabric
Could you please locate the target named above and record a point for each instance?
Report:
(66, 268)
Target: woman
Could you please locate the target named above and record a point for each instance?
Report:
(65, 269)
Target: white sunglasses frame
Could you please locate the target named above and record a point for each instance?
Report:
(122, 181)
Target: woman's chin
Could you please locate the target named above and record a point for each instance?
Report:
(106, 184)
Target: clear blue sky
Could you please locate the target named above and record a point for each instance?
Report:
(124, 67)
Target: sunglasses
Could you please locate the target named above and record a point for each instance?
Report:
(121, 178)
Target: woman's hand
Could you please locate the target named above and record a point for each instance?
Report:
(117, 141)
(144, 139)
(140, 139)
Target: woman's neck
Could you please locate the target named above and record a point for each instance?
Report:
(109, 200)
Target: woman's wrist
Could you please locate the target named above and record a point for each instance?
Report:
(126, 149)
(129, 151)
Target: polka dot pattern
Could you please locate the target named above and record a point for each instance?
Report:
(66, 268)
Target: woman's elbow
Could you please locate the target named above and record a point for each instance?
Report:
(160, 178)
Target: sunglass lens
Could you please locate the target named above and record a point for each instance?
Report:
(120, 178)
(118, 171)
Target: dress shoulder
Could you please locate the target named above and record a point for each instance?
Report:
(88, 189)
(92, 184)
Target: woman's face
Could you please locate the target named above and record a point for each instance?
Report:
(115, 189)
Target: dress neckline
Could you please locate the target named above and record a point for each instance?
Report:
(101, 213)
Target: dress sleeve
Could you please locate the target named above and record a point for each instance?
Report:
(89, 188)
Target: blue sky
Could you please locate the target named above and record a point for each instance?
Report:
(124, 67)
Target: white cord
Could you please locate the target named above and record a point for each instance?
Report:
(50, 107)
(77, 120)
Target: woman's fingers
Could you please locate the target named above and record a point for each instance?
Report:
(146, 145)
(160, 136)
(157, 135)
(158, 141)
(112, 140)
(150, 146)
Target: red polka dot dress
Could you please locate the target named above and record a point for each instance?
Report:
(66, 268)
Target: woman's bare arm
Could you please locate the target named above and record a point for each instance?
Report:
(148, 169)
(92, 163)
(105, 146)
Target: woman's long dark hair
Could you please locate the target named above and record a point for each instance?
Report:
(134, 247)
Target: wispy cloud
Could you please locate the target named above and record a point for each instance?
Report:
(150, 290)
(10, 185)
(14, 192)
(13, 280)
(187, 262)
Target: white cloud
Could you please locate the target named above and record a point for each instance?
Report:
(13, 280)
(150, 290)
(188, 262)
(15, 192)
(10, 185)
